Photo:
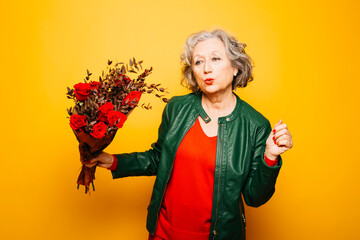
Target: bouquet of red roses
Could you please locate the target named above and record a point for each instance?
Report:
(101, 108)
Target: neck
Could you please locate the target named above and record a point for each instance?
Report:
(218, 105)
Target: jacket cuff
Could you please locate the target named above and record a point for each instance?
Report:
(265, 167)
(269, 162)
(114, 165)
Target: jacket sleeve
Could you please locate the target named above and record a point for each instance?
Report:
(143, 163)
(260, 183)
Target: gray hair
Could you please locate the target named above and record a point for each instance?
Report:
(235, 51)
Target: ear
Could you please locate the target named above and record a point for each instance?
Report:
(236, 71)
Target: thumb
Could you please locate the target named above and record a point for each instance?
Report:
(93, 160)
(278, 123)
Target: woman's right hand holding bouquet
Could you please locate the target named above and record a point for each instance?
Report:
(104, 160)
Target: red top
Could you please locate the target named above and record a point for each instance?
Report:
(186, 209)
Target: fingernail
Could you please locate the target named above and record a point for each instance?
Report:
(274, 139)
(274, 130)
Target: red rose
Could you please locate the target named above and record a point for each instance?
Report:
(104, 110)
(77, 121)
(114, 116)
(99, 130)
(82, 91)
(95, 85)
(132, 98)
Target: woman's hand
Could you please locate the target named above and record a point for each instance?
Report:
(279, 141)
(104, 160)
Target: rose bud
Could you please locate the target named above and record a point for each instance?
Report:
(114, 116)
(77, 121)
(132, 98)
(99, 130)
(82, 91)
(104, 110)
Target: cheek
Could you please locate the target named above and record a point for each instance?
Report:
(228, 72)
(196, 74)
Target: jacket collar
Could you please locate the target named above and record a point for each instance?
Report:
(224, 119)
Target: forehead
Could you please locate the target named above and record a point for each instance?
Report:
(209, 46)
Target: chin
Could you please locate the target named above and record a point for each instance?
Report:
(210, 90)
(213, 89)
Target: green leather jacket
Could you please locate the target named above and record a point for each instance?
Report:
(240, 168)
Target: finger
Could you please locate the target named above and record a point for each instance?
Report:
(278, 123)
(103, 165)
(282, 132)
(276, 126)
(91, 161)
(281, 138)
(284, 143)
(95, 159)
(280, 127)
(90, 165)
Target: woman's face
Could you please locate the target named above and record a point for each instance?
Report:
(212, 67)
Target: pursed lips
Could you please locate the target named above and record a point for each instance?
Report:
(209, 81)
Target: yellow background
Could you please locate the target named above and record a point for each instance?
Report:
(306, 56)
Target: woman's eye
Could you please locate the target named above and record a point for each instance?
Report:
(198, 62)
(215, 58)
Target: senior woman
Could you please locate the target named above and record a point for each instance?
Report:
(212, 148)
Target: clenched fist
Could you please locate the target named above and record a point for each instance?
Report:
(279, 141)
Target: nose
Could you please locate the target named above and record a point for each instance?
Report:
(207, 67)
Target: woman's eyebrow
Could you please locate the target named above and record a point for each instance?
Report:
(197, 55)
(215, 51)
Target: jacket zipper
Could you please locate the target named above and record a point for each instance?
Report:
(218, 193)
(172, 166)
(243, 215)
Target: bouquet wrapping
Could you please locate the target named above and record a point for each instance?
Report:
(90, 147)
(102, 107)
